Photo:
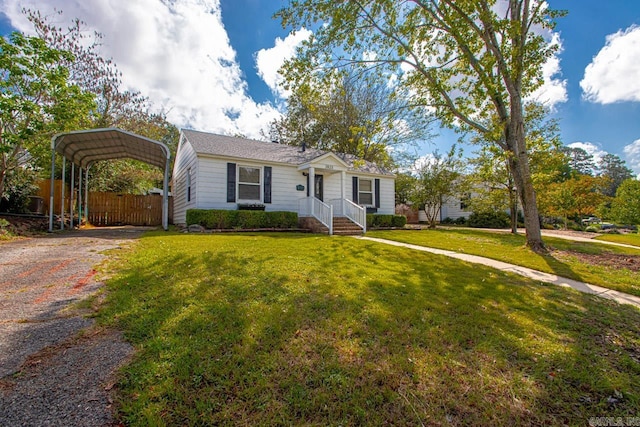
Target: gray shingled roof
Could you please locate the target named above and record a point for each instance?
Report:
(242, 148)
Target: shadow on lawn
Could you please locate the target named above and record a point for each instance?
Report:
(327, 331)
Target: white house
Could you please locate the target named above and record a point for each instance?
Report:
(453, 207)
(221, 172)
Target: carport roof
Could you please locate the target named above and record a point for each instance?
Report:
(87, 146)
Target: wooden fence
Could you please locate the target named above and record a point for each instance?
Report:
(45, 191)
(129, 209)
(110, 208)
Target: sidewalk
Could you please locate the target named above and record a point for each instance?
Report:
(587, 288)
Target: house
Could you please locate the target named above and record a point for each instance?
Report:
(221, 172)
(453, 207)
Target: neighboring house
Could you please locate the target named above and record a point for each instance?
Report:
(454, 207)
(221, 172)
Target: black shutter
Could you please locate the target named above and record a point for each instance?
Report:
(267, 184)
(354, 199)
(231, 182)
(377, 192)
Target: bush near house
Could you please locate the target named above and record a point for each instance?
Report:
(386, 221)
(226, 219)
(489, 220)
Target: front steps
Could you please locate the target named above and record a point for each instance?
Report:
(343, 226)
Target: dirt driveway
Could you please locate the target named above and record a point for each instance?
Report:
(56, 368)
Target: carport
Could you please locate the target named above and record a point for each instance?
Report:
(83, 148)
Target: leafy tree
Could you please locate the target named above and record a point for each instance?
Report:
(127, 110)
(405, 184)
(625, 208)
(36, 100)
(492, 180)
(351, 112)
(575, 197)
(469, 61)
(438, 179)
(579, 162)
(616, 170)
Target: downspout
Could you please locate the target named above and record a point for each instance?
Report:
(165, 194)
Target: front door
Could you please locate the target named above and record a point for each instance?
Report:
(318, 187)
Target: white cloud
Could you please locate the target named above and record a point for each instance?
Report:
(269, 61)
(592, 148)
(554, 90)
(612, 75)
(175, 52)
(632, 156)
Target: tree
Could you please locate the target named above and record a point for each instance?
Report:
(492, 180)
(575, 197)
(438, 179)
(405, 184)
(579, 162)
(469, 61)
(351, 112)
(625, 208)
(127, 110)
(616, 170)
(36, 99)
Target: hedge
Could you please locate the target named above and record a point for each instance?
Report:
(385, 221)
(227, 219)
(489, 220)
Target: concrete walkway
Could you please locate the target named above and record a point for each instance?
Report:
(620, 297)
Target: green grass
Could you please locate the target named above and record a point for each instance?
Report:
(511, 248)
(627, 239)
(287, 329)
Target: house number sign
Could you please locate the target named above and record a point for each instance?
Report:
(328, 166)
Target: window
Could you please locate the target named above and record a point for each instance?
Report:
(249, 183)
(365, 192)
(464, 201)
(189, 185)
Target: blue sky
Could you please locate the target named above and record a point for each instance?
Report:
(212, 64)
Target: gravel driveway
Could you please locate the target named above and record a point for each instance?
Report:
(56, 367)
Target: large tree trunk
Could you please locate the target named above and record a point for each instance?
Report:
(519, 163)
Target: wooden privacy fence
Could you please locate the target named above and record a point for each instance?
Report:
(109, 208)
(130, 209)
(45, 191)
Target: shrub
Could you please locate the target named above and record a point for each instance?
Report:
(460, 221)
(592, 229)
(447, 220)
(19, 186)
(227, 219)
(489, 220)
(385, 221)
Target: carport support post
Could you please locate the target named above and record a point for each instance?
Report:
(52, 186)
(165, 196)
(86, 195)
(73, 182)
(64, 172)
(79, 197)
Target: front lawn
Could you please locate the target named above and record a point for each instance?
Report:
(599, 264)
(627, 239)
(292, 329)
